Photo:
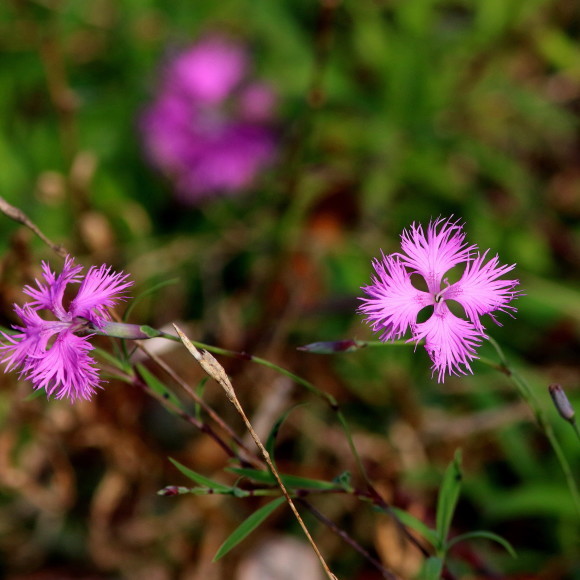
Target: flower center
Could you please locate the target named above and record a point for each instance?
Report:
(440, 296)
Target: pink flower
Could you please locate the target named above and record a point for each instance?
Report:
(53, 354)
(208, 71)
(394, 302)
(209, 127)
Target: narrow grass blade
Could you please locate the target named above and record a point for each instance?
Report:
(290, 481)
(488, 536)
(157, 386)
(248, 526)
(415, 524)
(448, 496)
(201, 479)
(432, 569)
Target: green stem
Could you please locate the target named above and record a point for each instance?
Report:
(332, 402)
(575, 427)
(261, 361)
(531, 399)
(372, 493)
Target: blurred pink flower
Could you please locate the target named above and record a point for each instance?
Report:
(393, 302)
(53, 354)
(209, 71)
(209, 127)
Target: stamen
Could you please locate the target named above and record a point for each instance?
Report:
(441, 294)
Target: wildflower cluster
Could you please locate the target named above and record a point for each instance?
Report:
(209, 127)
(393, 302)
(54, 353)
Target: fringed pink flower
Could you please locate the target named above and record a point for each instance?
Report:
(54, 354)
(392, 303)
(209, 128)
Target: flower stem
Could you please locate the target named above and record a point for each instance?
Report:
(372, 493)
(528, 395)
(332, 402)
(210, 365)
(576, 430)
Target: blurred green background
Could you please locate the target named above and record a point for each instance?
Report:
(389, 112)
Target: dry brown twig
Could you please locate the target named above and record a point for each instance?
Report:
(213, 368)
(19, 216)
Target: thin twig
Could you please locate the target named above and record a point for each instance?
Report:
(19, 216)
(530, 398)
(216, 371)
(372, 492)
(198, 400)
(346, 538)
(200, 425)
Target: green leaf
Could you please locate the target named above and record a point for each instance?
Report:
(254, 474)
(412, 522)
(432, 568)
(290, 481)
(114, 360)
(297, 482)
(157, 386)
(343, 480)
(34, 395)
(201, 479)
(448, 496)
(248, 526)
(150, 331)
(484, 534)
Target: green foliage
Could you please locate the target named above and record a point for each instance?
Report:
(447, 500)
(290, 481)
(157, 386)
(200, 479)
(248, 526)
(432, 569)
(439, 537)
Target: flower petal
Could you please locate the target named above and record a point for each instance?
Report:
(393, 302)
(32, 339)
(449, 340)
(97, 294)
(434, 253)
(65, 369)
(480, 292)
(49, 296)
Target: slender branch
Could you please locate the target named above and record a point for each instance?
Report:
(346, 538)
(372, 495)
(261, 361)
(298, 494)
(215, 417)
(215, 370)
(576, 429)
(528, 395)
(19, 216)
(200, 425)
(334, 406)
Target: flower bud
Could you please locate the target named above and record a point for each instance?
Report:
(561, 402)
(333, 346)
(127, 331)
(173, 490)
